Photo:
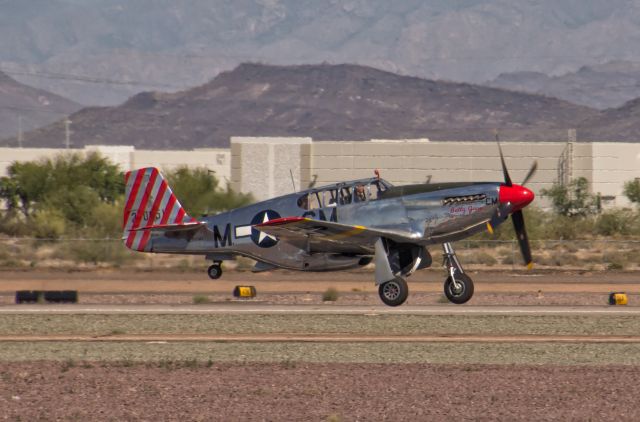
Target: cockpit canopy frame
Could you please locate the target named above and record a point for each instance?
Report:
(343, 193)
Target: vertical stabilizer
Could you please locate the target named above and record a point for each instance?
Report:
(149, 202)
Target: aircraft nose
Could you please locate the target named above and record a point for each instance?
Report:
(517, 195)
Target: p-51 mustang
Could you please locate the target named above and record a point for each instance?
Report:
(335, 227)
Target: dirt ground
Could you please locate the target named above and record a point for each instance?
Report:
(321, 392)
(354, 287)
(192, 388)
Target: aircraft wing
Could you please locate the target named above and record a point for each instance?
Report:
(327, 236)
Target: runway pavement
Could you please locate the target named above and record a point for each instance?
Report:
(252, 307)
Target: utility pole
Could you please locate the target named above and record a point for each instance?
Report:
(67, 132)
(20, 136)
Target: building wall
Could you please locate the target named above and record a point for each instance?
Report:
(264, 166)
(268, 166)
(605, 165)
(9, 155)
(419, 161)
(613, 164)
(217, 160)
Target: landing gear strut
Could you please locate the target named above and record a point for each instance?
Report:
(215, 271)
(394, 292)
(458, 286)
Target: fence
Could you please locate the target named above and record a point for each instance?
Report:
(85, 254)
(590, 255)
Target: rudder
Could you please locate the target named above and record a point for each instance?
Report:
(149, 201)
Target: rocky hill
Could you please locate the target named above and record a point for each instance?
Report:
(34, 107)
(323, 101)
(622, 123)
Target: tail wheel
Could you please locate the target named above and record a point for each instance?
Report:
(460, 291)
(394, 292)
(215, 271)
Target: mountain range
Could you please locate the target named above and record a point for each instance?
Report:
(25, 107)
(601, 86)
(100, 52)
(325, 102)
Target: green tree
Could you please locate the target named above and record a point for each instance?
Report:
(573, 199)
(33, 184)
(632, 191)
(59, 194)
(25, 185)
(200, 193)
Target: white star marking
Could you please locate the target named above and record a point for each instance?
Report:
(263, 234)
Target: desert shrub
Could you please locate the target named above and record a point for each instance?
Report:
(330, 295)
(572, 199)
(200, 192)
(48, 224)
(200, 299)
(95, 251)
(549, 260)
(561, 227)
(442, 299)
(244, 264)
(507, 256)
(632, 191)
(615, 222)
(480, 257)
(570, 260)
(615, 265)
(105, 220)
(615, 260)
(13, 224)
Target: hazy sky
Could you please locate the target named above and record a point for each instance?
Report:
(121, 47)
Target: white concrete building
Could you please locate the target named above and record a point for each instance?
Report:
(272, 166)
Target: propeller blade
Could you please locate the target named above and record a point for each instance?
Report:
(523, 239)
(532, 171)
(507, 179)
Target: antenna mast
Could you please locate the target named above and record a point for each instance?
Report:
(292, 182)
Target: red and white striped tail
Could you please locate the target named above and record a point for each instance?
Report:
(149, 202)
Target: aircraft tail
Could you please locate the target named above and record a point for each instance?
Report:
(149, 204)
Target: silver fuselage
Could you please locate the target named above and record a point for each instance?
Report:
(428, 213)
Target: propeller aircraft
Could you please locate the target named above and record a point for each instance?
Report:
(335, 227)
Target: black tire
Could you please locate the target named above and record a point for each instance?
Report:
(215, 271)
(465, 291)
(394, 292)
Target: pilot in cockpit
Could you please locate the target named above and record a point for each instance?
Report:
(360, 194)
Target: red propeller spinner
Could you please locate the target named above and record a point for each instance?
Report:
(517, 195)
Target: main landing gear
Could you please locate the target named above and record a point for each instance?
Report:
(394, 292)
(458, 287)
(215, 271)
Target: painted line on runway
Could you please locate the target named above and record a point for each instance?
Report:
(322, 338)
(250, 308)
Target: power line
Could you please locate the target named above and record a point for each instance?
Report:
(33, 109)
(84, 78)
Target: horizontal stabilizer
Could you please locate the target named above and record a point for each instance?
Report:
(172, 227)
(262, 266)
